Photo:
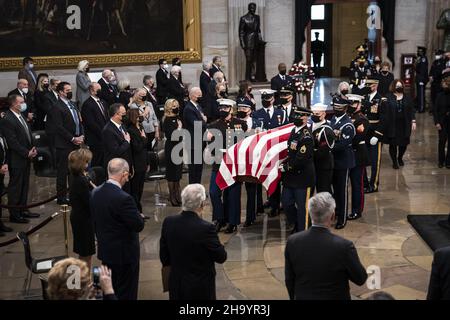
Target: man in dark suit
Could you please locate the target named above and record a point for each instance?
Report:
(190, 246)
(117, 225)
(217, 67)
(28, 73)
(95, 116)
(439, 287)
(319, 264)
(109, 92)
(3, 171)
(116, 140)
(193, 117)
(280, 81)
(24, 91)
(21, 152)
(162, 81)
(51, 99)
(69, 136)
(205, 79)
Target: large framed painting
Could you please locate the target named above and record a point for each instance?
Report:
(60, 33)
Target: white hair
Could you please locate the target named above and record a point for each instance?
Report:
(175, 69)
(218, 76)
(123, 83)
(206, 66)
(117, 166)
(192, 197)
(321, 207)
(106, 73)
(343, 83)
(82, 65)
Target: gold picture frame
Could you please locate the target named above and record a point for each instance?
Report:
(192, 52)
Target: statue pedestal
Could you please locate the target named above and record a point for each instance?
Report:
(260, 75)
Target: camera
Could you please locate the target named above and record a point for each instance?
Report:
(96, 277)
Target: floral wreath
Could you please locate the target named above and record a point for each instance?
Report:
(304, 77)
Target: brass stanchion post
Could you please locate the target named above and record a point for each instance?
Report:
(65, 211)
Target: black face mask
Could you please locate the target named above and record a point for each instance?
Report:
(266, 104)
(249, 90)
(69, 95)
(140, 119)
(200, 100)
(284, 100)
(298, 123)
(385, 73)
(351, 110)
(361, 65)
(176, 111)
(98, 92)
(242, 114)
(223, 94)
(46, 86)
(144, 98)
(339, 113)
(377, 62)
(128, 88)
(344, 92)
(125, 119)
(283, 72)
(315, 119)
(399, 90)
(88, 69)
(223, 114)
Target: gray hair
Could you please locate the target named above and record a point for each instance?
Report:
(106, 73)
(192, 197)
(218, 76)
(117, 166)
(321, 207)
(193, 91)
(206, 66)
(175, 69)
(82, 65)
(341, 85)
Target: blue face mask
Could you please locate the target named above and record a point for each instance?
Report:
(23, 107)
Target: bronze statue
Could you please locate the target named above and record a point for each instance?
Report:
(250, 39)
(444, 23)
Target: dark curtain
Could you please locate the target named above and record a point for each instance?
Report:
(388, 17)
(302, 18)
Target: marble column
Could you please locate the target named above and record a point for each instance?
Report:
(236, 57)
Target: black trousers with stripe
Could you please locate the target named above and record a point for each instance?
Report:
(340, 193)
(357, 181)
(295, 205)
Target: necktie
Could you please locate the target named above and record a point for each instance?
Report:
(25, 126)
(75, 119)
(99, 102)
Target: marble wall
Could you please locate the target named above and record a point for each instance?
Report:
(278, 29)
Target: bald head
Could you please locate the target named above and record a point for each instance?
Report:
(119, 171)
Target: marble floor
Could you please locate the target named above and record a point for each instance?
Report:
(255, 265)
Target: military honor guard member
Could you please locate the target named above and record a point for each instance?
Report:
(344, 157)
(298, 173)
(286, 103)
(228, 210)
(324, 139)
(361, 124)
(359, 75)
(374, 107)
(271, 118)
(436, 76)
(254, 198)
(421, 77)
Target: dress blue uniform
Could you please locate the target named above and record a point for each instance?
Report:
(271, 118)
(344, 158)
(421, 78)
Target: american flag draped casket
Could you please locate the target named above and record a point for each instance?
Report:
(256, 159)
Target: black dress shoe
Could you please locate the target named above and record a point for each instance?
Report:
(4, 228)
(2, 234)
(354, 216)
(219, 225)
(440, 165)
(401, 163)
(274, 213)
(231, 229)
(63, 201)
(30, 215)
(248, 224)
(18, 220)
(266, 205)
(395, 166)
(340, 226)
(448, 166)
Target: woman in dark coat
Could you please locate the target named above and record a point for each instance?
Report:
(40, 101)
(400, 122)
(139, 155)
(172, 123)
(80, 216)
(176, 89)
(442, 122)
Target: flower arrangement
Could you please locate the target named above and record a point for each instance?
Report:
(304, 77)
